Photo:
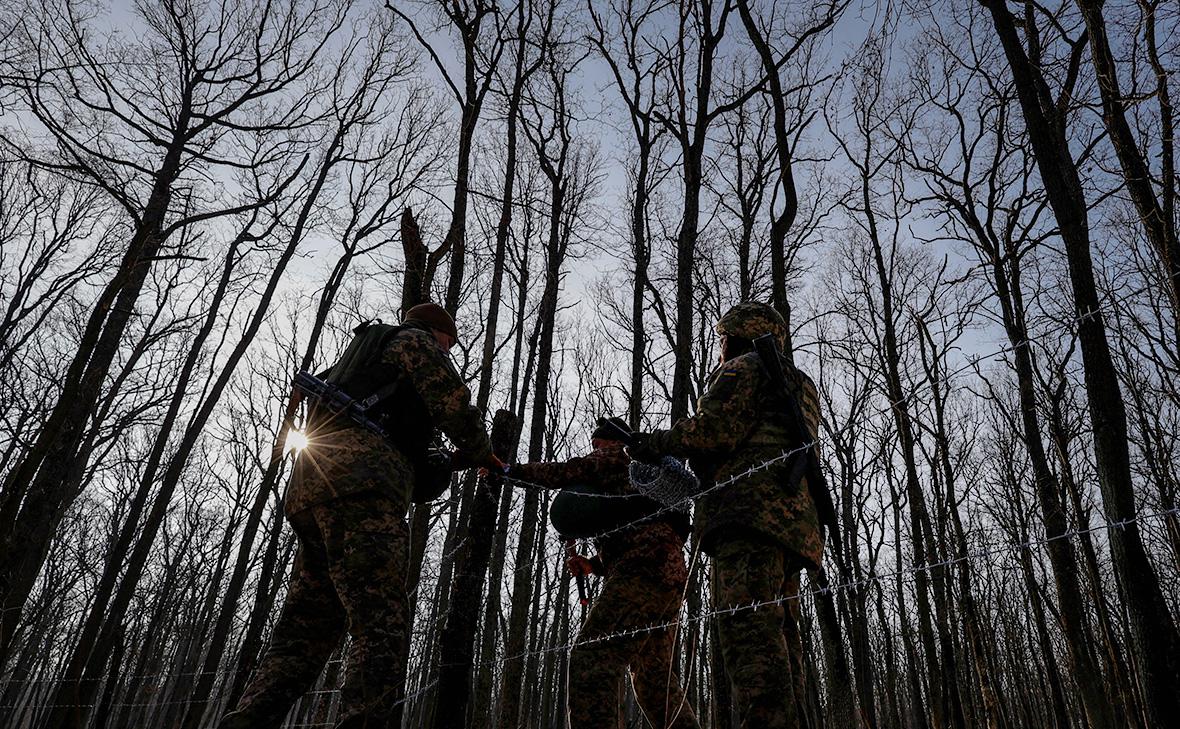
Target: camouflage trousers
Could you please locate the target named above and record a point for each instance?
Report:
(762, 648)
(631, 599)
(349, 576)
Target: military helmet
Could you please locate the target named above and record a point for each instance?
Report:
(752, 319)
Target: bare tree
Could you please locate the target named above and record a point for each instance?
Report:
(1155, 641)
(1158, 221)
(787, 131)
(981, 192)
(481, 58)
(568, 167)
(878, 213)
(201, 98)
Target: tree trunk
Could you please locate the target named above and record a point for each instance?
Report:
(1160, 231)
(642, 254)
(251, 649)
(1155, 643)
(40, 477)
(782, 222)
(919, 517)
(70, 691)
(933, 364)
(510, 693)
(457, 649)
(841, 698)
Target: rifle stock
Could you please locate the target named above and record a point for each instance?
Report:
(336, 401)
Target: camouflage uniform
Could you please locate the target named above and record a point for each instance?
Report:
(347, 503)
(761, 529)
(645, 579)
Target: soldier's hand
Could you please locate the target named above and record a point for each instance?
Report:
(641, 449)
(493, 467)
(579, 566)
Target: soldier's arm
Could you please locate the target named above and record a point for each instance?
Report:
(442, 389)
(724, 418)
(559, 474)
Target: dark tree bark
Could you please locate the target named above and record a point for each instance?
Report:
(1155, 643)
(458, 642)
(933, 362)
(415, 286)
(1158, 224)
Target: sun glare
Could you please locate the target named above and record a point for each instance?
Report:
(296, 440)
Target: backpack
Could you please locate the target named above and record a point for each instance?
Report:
(583, 512)
(392, 402)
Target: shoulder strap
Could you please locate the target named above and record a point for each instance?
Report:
(808, 464)
(361, 353)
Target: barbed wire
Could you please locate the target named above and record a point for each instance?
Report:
(900, 574)
(784, 455)
(679, 503)
(831, 588)
(461, 542)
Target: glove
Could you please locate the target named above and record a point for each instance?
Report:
(493, 467)
(643, 450)
(579, 566)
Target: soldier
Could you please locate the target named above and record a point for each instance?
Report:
(762, 529)
(347, 503)
(645, 576)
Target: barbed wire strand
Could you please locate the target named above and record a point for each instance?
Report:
(461, 542)
(910, 572)
(876, 577)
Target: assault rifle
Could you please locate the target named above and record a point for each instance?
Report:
(807, 462)
(336, 402)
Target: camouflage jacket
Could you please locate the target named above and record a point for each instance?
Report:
(353, 460)
(415, 352)
(735, 428)
(606, 470)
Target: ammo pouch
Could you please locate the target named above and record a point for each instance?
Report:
(432, 474)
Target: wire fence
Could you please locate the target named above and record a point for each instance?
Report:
(901, 575)
(896, 576)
